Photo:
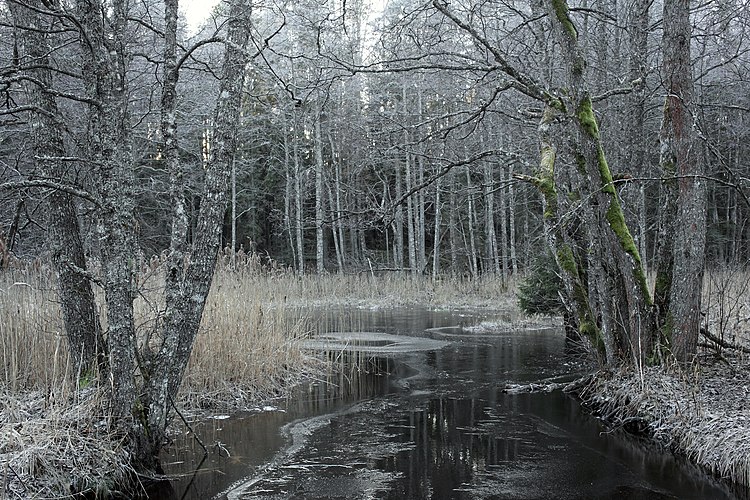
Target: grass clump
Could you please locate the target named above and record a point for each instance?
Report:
(700, 415)
(56, 444)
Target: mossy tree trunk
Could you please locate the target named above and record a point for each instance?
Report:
(607, 294)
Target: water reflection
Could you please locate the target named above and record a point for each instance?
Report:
(433, 425)
(530, 446)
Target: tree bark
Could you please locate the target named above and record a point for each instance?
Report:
(103, 39)
(80, 315)
(319, 256)
(681, 264)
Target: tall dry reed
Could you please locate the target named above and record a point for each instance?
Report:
(33, 350)
(726, 301)
(253, 319)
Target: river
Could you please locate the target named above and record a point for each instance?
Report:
(416, 411)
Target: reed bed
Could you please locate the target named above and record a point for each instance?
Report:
(726, 299)
(33, 351)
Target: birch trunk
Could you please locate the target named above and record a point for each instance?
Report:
(298, 206)
(398, 222)
(490, 237)
(288, 185)
(319, 195)
(512, 221)
(503, 251)
(453, 223)
(437, 236)
(471, 223)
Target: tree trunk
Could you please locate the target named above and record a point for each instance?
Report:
(681, 264)
(608, 296)
(512, 221)
(503, 251)
(80, 315)
(490, 239)
(398, 222)
(109, 147)
(288, 189)
(453, 222)
(471, 223)
(437, 236)
(184, 305)
(319, 195)
(635, 126)
(298, 205)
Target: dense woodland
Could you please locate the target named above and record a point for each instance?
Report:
(422, 137)
(390, 136)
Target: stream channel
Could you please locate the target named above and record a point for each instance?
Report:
(416, 411)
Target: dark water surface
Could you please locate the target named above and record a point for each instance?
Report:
(431, 424)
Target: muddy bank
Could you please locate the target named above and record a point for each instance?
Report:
(703, 415)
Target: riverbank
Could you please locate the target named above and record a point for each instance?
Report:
(703, 412)
(703, 415)
(249, 350)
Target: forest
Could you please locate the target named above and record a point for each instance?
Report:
(605, 141)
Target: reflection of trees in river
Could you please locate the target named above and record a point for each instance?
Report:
(354, 376)
(451, 446)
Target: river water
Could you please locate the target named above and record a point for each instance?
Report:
(421, 415)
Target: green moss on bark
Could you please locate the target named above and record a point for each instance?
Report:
(608, 185)
(563, 16)
(587, 119)
(589, 330)
(616, 221)
(567, 261)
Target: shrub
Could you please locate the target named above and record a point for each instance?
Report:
(539, 291)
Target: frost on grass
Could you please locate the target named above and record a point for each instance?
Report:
(702, 415)
(49, 447)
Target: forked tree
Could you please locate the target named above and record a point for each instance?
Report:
(142, 374)
(606, 293)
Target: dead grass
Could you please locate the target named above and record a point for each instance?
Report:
(49, 442)
(703, 415)
(726, 299)
(248, 350)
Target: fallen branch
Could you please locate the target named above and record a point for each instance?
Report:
(723, 343)
(530, 388)
(547, 387)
